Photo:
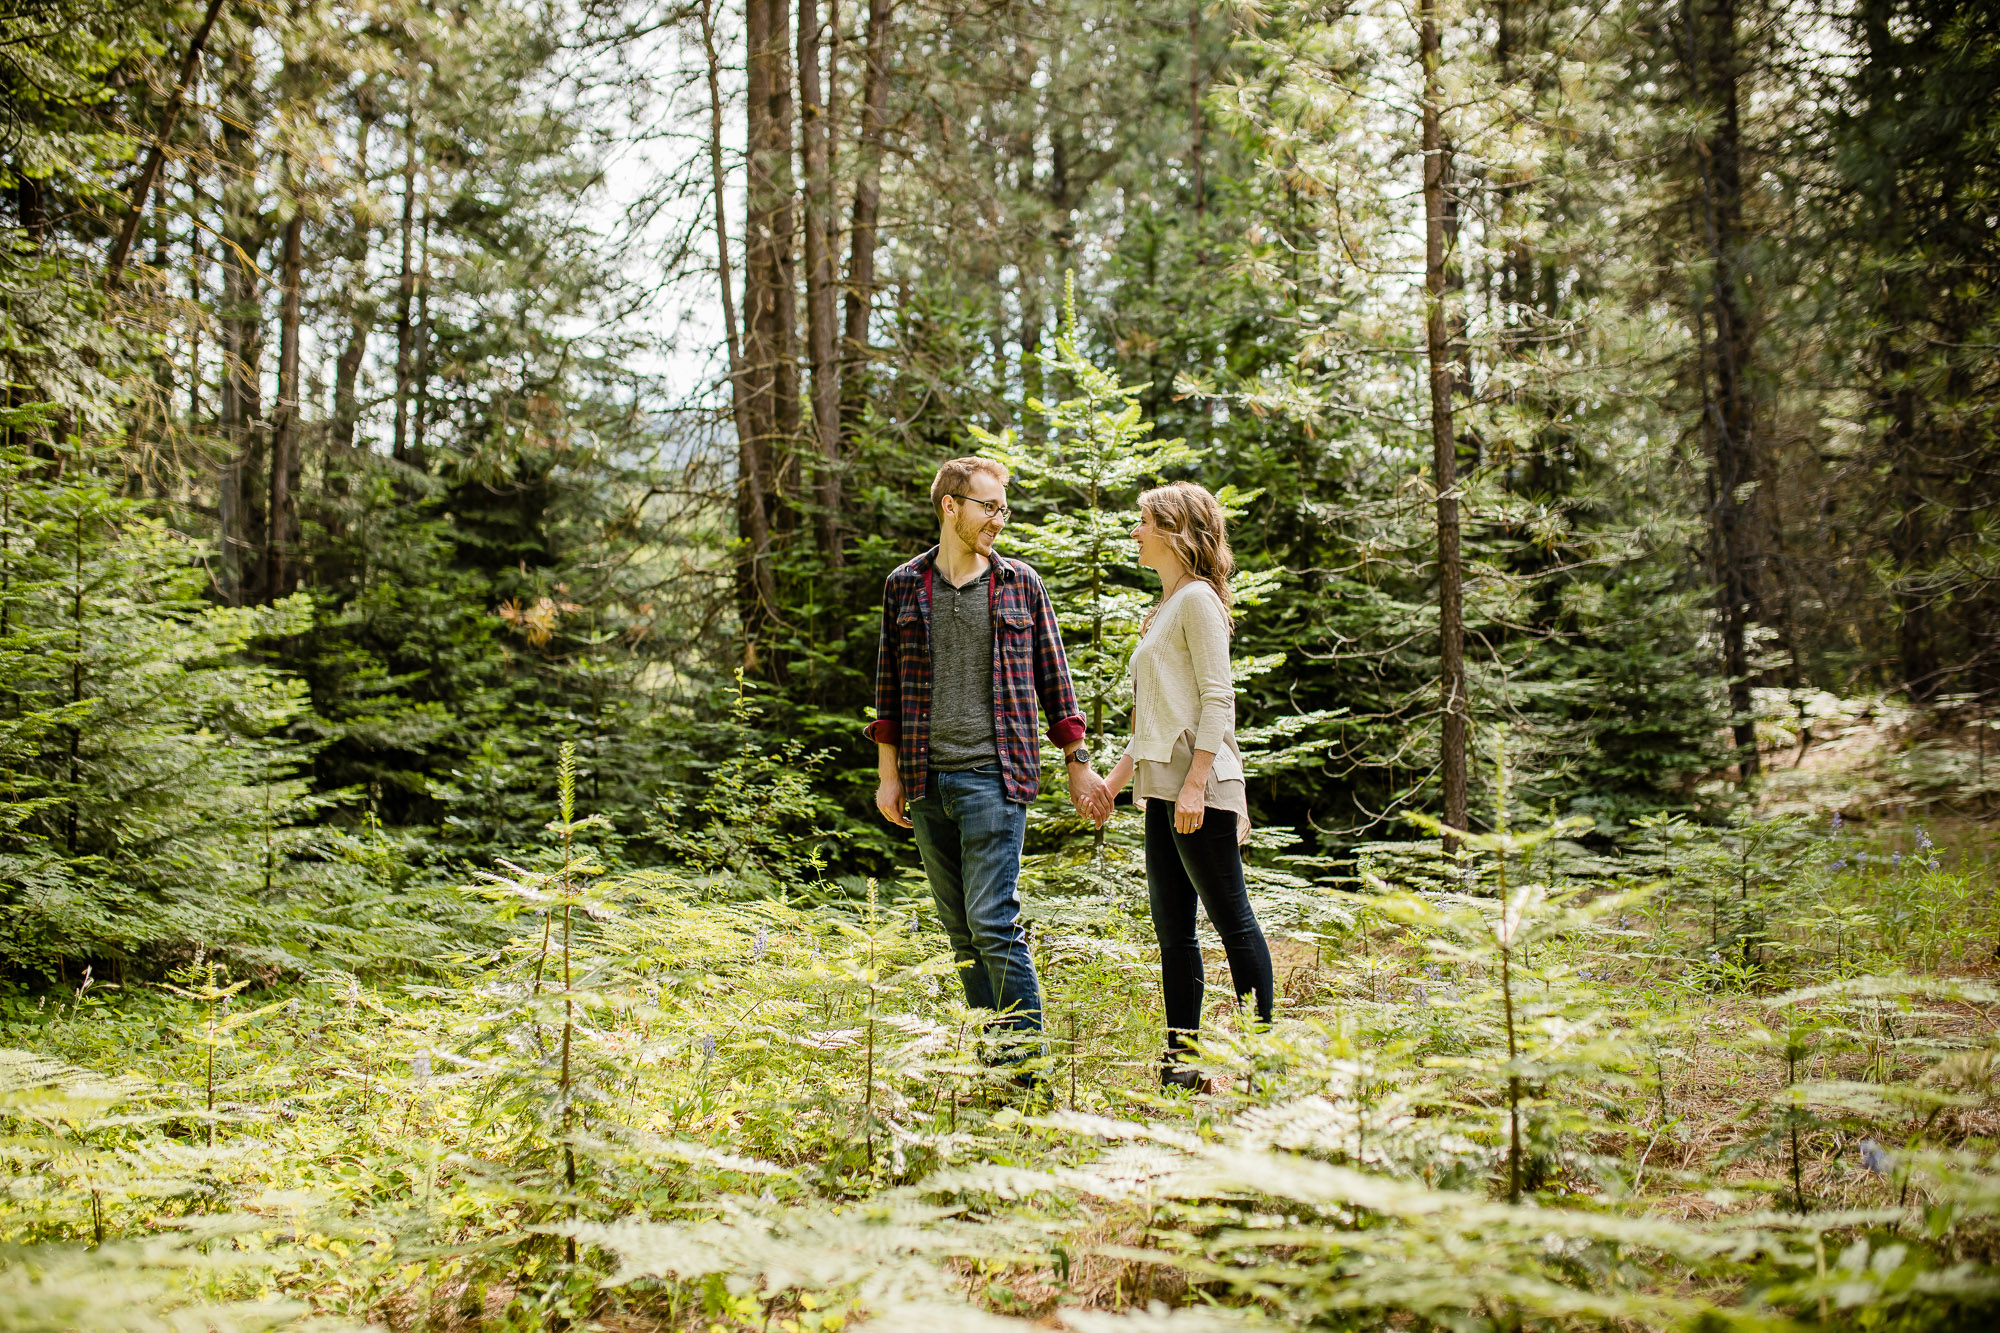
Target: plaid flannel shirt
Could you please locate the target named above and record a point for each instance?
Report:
(1028, 664)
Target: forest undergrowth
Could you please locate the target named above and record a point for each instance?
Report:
(1737, 1073)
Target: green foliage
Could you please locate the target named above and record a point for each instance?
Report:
(1080, 471)
(672, 1061)
(1083, 468)
(1636, 730)
(153, 797)
(651, 1103)
(1738, 877)
(756, 824)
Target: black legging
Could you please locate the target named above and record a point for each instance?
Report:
(1179, 868)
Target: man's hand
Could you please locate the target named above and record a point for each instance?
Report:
(1088, 794)
(889, 800)
(889, 790)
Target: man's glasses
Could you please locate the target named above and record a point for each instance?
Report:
(991, 507)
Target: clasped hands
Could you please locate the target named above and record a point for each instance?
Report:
(1090, 794)
(1093, 796)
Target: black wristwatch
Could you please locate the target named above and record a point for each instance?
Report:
(1080, 755)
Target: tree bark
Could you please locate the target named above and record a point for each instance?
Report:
(421, 355)
(770, 267)
(406, 281)
(1515, 291)
(822, 337)
(197, 296)
(164, 368)
(1444, 447)
(241, 406)
(1897, 307)
(156, 152)
(770, 369)
(756, 592)
(347, 365)
(1728, 408)
(285, 425)
(1197, 170)
(867, 211)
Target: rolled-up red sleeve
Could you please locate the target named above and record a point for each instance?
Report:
(1052, 681)
(887, 728)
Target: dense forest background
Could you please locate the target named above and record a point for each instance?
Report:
(370, 429)
(449, 458)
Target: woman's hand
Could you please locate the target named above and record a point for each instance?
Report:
(1190, 806)
(1114, 782)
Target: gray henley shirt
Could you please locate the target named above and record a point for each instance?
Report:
(963, 733)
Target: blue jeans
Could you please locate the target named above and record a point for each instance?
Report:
(969, 835)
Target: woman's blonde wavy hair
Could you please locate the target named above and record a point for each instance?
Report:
(1194, 526)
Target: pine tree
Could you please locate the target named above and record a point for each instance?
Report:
(152, 787)
(1082, 473)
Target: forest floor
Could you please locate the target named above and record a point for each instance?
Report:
(1753, 1071)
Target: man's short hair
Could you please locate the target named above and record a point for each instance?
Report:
(954, 476)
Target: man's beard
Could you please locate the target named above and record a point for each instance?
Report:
(973, 538)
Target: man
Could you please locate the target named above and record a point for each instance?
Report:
(969, 644)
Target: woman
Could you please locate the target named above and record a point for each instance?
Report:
(1184, 763)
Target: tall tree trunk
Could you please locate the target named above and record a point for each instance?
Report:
(163, 362)
(156, 152)
(1513, 278)
(406, 281)
(346, 376)
(756, 592)
(31, 208)
(1897, 306)
(347, 365)
(1197, 168)
(867, 211)
(421, 391)
(770, 317)
(1453, 703)
(821, 237)
(770, 261)
(241, 406)
(285, 424)
(1728, 408)
(197, 296)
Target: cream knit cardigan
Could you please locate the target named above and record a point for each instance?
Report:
(1181, 687)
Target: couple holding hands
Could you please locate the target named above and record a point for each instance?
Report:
(969, 649)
